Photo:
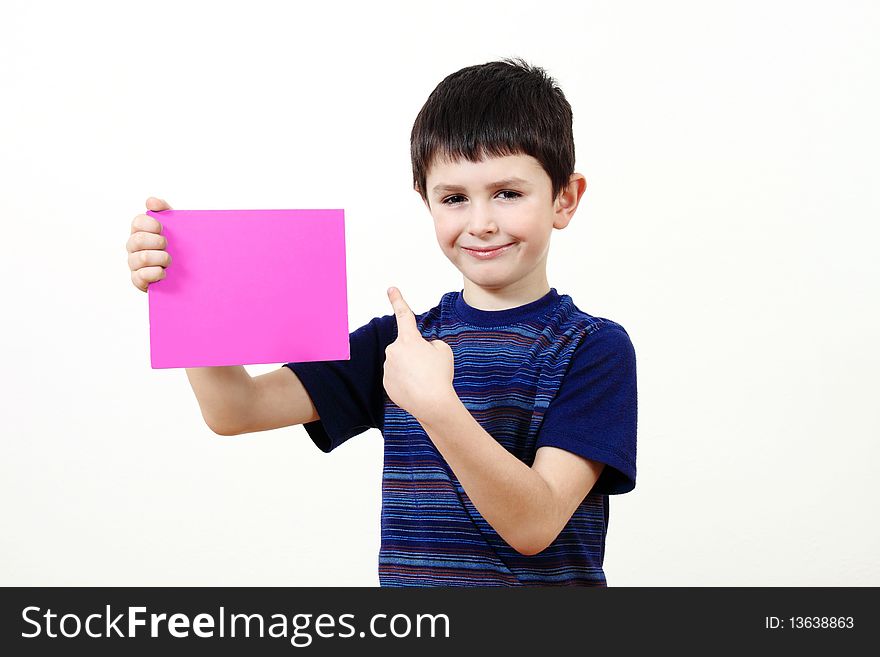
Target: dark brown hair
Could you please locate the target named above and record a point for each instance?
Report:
(499, 108)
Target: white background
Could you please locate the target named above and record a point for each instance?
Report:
(730, 225)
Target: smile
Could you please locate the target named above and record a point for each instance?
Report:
(488, 255)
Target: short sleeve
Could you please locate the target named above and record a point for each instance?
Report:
(594, 413)
(348, 394)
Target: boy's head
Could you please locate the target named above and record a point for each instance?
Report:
(488, 124)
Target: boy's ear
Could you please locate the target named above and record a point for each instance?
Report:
(566, 203)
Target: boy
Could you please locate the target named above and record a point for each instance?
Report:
(508, 414)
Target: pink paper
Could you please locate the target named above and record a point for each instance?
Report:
(248, 287)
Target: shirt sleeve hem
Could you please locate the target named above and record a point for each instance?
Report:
(323, 432)
(621, 480)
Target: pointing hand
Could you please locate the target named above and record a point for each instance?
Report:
(418, 372)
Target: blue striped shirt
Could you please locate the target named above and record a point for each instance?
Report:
(544, 373)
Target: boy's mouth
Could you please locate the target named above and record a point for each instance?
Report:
(487, 252)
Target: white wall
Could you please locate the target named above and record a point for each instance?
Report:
(730, 224)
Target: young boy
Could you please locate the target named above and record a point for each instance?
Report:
(508, 414)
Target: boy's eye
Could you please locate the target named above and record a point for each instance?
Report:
(456, 198)
(450, 200)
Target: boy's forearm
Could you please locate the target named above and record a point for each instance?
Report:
(223, 394)
(510, 495)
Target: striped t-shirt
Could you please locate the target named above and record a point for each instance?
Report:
(544, 373)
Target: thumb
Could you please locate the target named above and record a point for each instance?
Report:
(157, 204)
(406, 321)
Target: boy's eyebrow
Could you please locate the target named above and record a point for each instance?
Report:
(443, 187)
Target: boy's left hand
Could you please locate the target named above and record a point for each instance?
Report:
(418, 373)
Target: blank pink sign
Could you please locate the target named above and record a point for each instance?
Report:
(250, 286)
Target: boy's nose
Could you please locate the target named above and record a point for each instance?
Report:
(480, 223)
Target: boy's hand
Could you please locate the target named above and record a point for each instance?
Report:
(147, 257)
(418, 373)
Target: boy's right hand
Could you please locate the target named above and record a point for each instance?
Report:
(147, 257)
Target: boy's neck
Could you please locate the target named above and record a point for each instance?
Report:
(510, 296)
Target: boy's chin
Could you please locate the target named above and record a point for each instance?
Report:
(487, 282)
(490, 278)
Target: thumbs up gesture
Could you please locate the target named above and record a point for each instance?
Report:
(418, 373)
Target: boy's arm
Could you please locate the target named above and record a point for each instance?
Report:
(528, 507)
(278, 399)
(232, 402)
(221, 393)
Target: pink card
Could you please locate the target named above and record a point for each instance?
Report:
(248, 287)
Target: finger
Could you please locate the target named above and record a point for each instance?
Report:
(440, 345)
(143, 240)
(406, 321)
(141, 259)
(157, 204)
(146, 223)
(143, 277)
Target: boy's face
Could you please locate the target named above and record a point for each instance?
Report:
(498, 202)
